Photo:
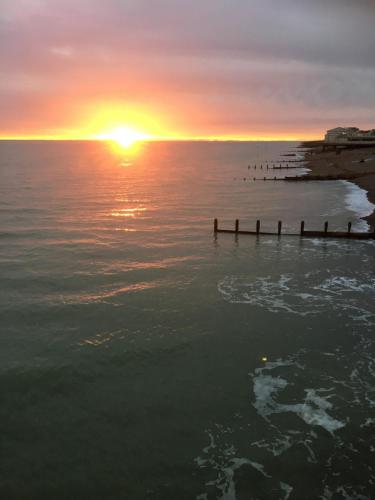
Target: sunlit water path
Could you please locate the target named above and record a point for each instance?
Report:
(143, 358)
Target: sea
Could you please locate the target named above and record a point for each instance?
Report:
(144, 357)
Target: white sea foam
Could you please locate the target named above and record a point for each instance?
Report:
(277, 446)
(340, 284)
(225, 463)
(350, 495)
(287, 489)
(356, 200)
(305, 294)
(291, 388)
(228, 486)
(265, 387)
(313, 410)
(342, 244)
(369, 422)
(263, 292)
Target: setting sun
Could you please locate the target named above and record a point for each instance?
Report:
(123, 136)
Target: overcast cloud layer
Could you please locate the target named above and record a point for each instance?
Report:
(210, 67)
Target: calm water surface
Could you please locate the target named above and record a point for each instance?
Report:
(141, 358)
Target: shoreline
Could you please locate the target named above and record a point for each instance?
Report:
(353, 165)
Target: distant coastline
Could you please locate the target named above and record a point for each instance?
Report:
(354, 165)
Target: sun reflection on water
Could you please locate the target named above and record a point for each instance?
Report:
(128, 212)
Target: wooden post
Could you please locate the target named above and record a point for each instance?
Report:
(326, 227)
(279, 227)
(302, 227)
(258, 226)
(237, 225)
(215, 226)
(349, 227)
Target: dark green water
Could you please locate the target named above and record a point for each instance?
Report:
(141, 358)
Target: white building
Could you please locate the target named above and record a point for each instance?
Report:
(350, 135)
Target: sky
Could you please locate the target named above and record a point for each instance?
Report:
(270, 69)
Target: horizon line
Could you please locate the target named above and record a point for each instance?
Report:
(165, 139)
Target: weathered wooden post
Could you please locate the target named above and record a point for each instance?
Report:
(237, 225)
(302, 227)
(326, 227)
(279, 227)
(258, 227)
(349, 227)
(215, 226)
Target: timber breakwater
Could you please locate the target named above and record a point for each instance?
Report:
(303, 233)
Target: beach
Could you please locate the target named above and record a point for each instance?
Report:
(354, 165)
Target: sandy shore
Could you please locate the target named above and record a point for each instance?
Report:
(355, 165)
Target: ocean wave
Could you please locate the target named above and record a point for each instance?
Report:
(356, 200)
(303, 415)
(224, 463)
(306, 294)
(313, 410)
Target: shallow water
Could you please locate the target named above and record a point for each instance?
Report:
(143, 358)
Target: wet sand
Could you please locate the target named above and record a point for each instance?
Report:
(355, 165)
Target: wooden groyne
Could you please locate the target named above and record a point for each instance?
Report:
(309, 177)
(347, 176)
(267, 178)
(284, 168)
(303, 233)
(273, 166)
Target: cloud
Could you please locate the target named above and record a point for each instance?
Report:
(255, 61)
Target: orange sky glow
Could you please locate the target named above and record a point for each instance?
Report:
(85, 69)
(98, 120)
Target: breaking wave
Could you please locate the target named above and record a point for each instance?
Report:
(308, 294)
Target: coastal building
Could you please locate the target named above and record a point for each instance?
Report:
(350, 135)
